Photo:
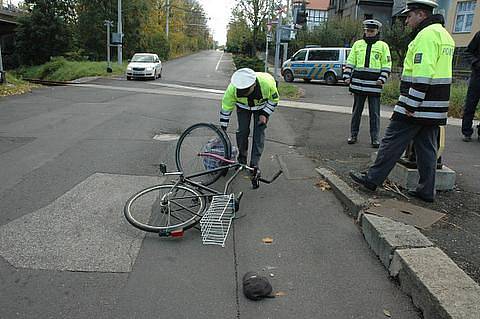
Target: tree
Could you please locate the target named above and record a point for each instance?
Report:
(46, 31)
(91, 32)
(254, 14)
(397, 37)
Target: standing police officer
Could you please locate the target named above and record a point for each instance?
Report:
(423, 103)
(371, 64)
(254, 94)
(473, 93)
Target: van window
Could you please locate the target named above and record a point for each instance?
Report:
(300, 56)
(323, 55)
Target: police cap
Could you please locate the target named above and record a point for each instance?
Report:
(427, 5)
(372, 24)
(243, 78)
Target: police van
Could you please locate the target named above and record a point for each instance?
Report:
(316, 63)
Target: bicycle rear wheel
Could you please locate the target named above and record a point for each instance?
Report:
(165, 208)
(201, 138)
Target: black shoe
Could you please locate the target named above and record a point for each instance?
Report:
(467, 138)
(417, 195)
(375, 143)
(362, 180)
(352, 140)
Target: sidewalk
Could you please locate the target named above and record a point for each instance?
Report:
(456, 234)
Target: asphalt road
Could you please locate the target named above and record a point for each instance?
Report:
(70, 158)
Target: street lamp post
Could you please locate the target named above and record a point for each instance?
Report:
(168, 16)
(108, 24)
(277, 44)
(120, 32)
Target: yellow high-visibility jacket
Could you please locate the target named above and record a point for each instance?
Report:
(366, 64)
(266, 105)
(427, 75)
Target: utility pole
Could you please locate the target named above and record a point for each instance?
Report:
(120, 32)
(108, 24)
(168, 17)
(2, 74)
(277, 44)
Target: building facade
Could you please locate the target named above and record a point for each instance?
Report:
(317, 11)
(362, 9)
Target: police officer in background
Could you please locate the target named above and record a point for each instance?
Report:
(370, 62)
(253, 94)
(473, 93)
(423, 103)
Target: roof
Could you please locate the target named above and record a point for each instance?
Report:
(318, 4)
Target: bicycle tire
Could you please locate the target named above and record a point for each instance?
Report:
(144, 209)
(192, 142)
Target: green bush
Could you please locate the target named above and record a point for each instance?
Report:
(254, 63)
(60, 69)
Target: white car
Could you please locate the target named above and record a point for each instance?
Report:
(144, 65)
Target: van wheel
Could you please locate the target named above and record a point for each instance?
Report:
(307, 80)
(330, 78)
(288, 76)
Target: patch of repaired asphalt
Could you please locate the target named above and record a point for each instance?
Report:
(82, 230)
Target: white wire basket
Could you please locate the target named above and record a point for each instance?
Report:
(216, 221)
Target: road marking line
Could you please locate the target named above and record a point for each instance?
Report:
(216, 68)
(285, 103)
(188, 87)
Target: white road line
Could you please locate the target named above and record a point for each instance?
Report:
(188, 87)
(284, 103)
(216, 68)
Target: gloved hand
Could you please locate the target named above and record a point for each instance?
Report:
(262, 119)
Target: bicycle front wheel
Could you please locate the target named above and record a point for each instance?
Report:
(165, 208)
(202, 138)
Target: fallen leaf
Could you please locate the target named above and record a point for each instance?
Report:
(280, 294)
(323, 185)
(387, 313)
(267, 240)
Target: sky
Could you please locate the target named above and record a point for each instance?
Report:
(219, 13)
(217, 10)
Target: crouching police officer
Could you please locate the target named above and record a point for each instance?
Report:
(253, 94)
(370, 62)
(423, 103)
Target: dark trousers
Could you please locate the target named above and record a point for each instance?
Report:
(373, 111)
(397, 137)
(244, 117)
(471, 102)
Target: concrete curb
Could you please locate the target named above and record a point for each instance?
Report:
(350, 198)
(437, 286)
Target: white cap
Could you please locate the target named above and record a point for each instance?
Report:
(243, 78)
(372, 24)
(420, 4)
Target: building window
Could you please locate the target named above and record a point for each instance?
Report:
(464, 16)
(316, 17)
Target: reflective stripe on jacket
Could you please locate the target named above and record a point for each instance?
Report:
(366, 64)
(266, 104)
(426, 78)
